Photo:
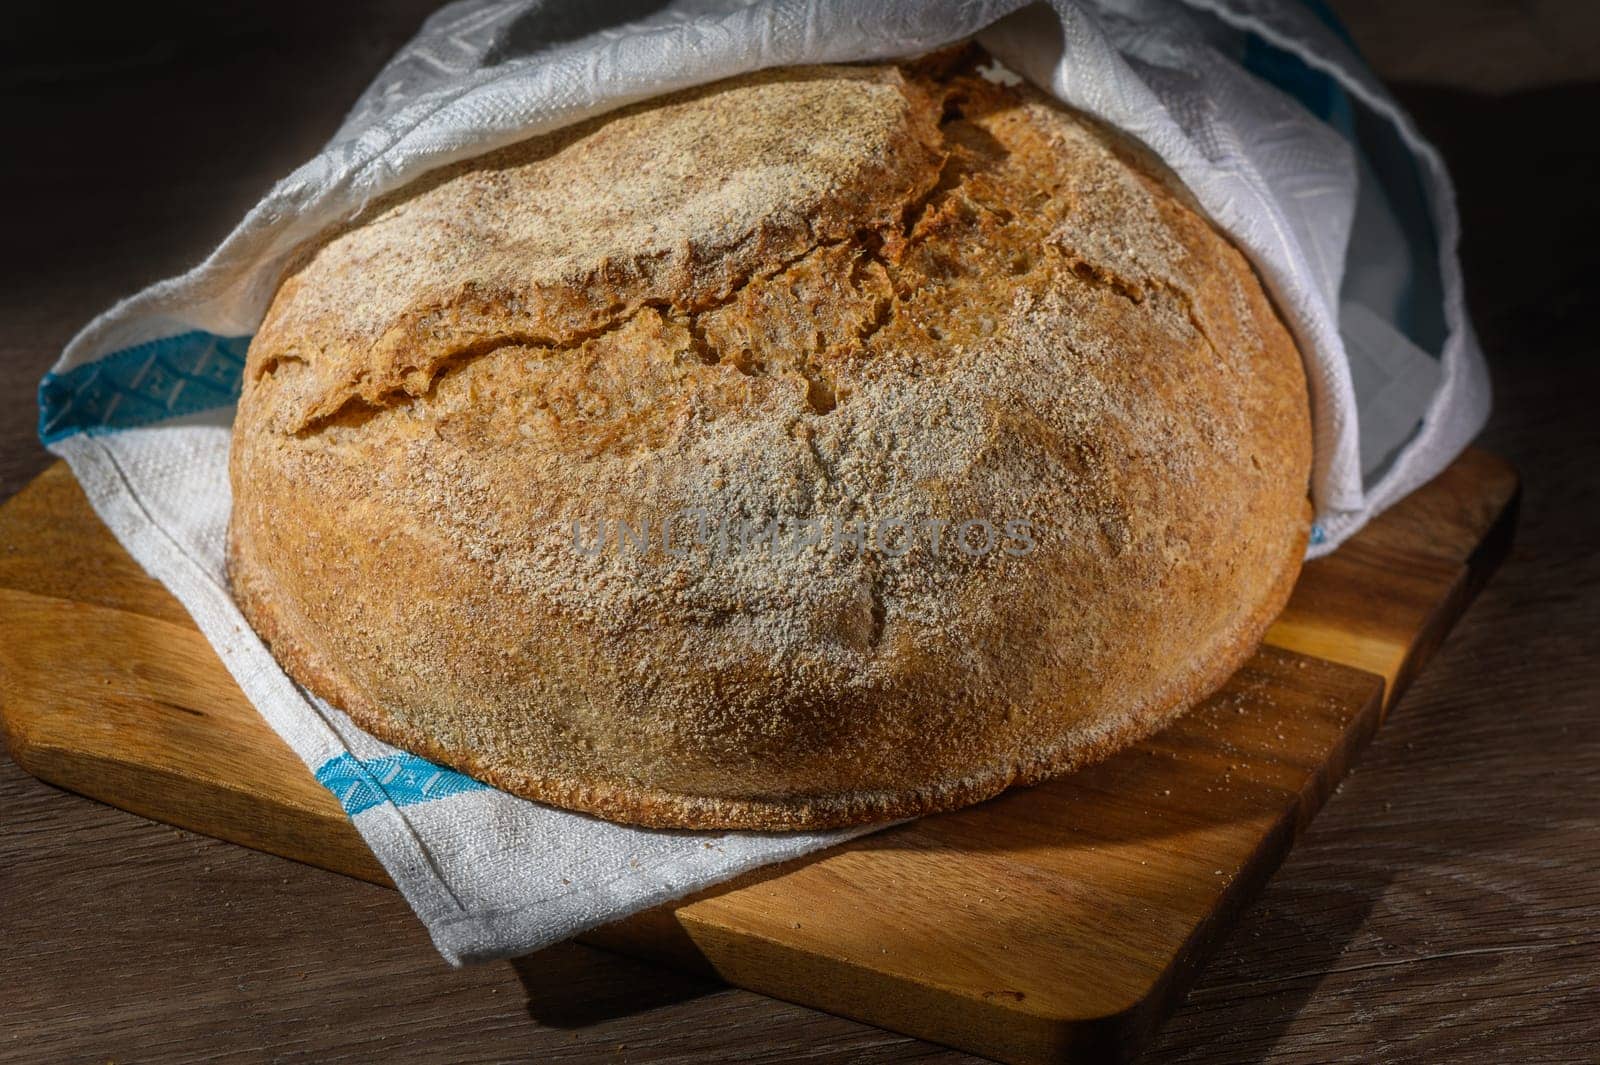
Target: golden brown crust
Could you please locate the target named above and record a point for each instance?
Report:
(664, 809)
(929, 299)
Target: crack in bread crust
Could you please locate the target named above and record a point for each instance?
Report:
(885, 294)
(677, 239)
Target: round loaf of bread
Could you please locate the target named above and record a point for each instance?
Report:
(821, 446)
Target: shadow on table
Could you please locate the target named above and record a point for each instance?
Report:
(1463, 837)
(1292, 941)
(571, 986)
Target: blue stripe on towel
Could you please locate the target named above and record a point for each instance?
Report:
(403, 779)
(146, 383)
(1319, 93)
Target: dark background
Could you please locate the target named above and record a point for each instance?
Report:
(1443, 907)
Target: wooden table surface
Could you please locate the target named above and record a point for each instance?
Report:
(1444, 906)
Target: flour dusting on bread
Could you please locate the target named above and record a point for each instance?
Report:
(859, 299)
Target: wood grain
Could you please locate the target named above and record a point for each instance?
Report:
(1442, 907)
(1056, 922)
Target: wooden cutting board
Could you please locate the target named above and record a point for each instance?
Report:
(1057, 922)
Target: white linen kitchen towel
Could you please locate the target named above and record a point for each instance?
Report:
(1260, 107)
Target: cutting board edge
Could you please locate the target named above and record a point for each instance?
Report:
(1046, 1036)
(681, 940)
